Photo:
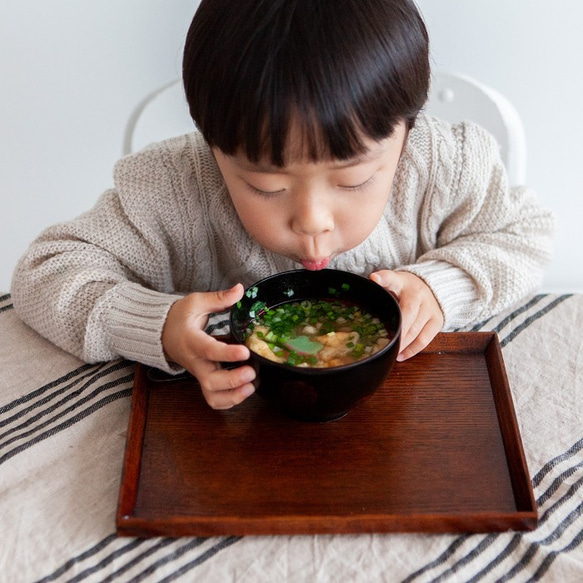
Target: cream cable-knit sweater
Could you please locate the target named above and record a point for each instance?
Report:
(101, 285)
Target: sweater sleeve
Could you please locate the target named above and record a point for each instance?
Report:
(485, 244)
(100, 286)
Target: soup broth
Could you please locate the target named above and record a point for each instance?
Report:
(318, 333)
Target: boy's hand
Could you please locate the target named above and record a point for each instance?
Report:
(186, 344)
(422, 316)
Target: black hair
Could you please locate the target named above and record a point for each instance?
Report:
(343, 70)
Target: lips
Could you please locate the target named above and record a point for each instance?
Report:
(316, 264)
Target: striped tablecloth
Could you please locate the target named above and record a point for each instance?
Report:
(62, 436)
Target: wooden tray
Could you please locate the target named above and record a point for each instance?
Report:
(436, 449)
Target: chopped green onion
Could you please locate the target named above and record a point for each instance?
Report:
(287, 325)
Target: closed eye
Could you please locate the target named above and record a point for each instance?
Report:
(360, 186)
(264, 192)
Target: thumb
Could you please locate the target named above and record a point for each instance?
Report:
(217, 301)
(388, 279)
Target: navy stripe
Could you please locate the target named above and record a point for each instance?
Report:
(451, 549)
(5, 297)
(459, 540)
(512, 316)
(557, 482)
(477, 327)
(510, 547)
(524, 562)
(549, 559)
(66, 424)
(76, 405)
(552, 555)
(167, 559)
(475, 552)
(533, 548)
(529, 554)
(94, 377)
(217, 326)
(6, 308)
(534, 545)
(202, 558)
(530, 304)
(79, 558)
(107, 560)
(231, 540)
(159, 545)
(44, 388)
(148, 571)
(533, 318)
(561, 527)
(539, 476)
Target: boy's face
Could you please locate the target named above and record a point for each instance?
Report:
(311, 212)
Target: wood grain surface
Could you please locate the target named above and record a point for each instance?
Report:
(436, 449)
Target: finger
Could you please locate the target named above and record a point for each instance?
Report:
(222, 379)
(209, 348)
(388, 279)
(411, 323)
(221, 400)
(223, 389)
(218, 301)
(421, 340)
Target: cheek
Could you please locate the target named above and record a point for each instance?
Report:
(262, 220)
(360, 218)
(355, 229)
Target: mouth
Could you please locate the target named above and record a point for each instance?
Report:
(315, 264)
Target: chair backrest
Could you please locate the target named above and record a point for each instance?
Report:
(164, 113)
(454, 98)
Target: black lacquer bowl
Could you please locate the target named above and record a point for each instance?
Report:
(320, 394)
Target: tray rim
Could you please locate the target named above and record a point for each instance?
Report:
(524, 518)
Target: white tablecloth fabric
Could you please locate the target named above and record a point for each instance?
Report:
(62, 436)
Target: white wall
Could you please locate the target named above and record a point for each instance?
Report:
(72, 71)
(531, 51)
(70, 74)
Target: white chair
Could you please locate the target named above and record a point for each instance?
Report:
(162, 114)
(453, 97)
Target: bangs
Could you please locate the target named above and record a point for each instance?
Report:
(311, 80)
(295, 135)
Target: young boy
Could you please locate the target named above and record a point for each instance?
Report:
(310, 151)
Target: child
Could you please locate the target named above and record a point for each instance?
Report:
(310, 151)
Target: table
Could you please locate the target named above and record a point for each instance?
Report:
(63, 427)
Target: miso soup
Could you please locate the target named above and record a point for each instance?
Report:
(317, 333)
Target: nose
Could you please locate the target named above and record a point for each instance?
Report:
(312, 214)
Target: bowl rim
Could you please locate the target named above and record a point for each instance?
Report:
(323, 370)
